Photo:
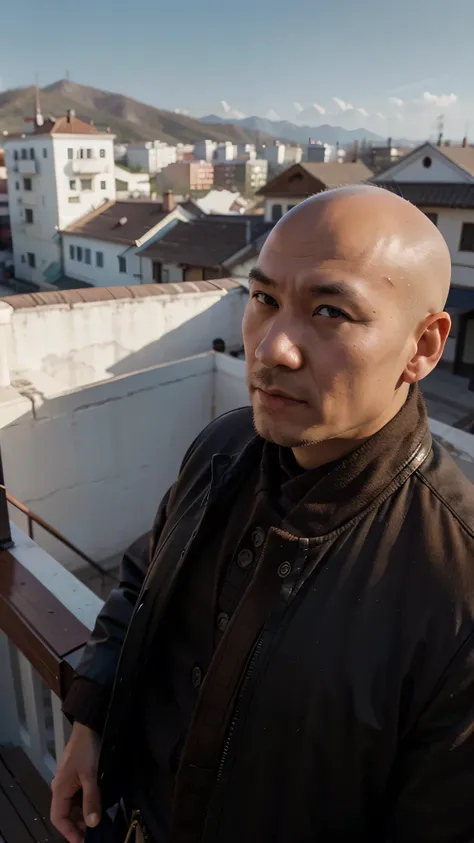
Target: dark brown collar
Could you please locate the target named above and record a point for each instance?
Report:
(365, 476)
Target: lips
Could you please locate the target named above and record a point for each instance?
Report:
(274, 399)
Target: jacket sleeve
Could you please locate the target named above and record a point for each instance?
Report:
(433, 783)
(88, 698)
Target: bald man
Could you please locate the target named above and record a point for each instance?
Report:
(294, 660)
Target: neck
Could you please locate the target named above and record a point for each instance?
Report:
(320, 453)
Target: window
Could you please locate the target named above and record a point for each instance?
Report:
(72, 252)
(17, 185)
(87, 256)
(99, 259)
(80, 153)
(73, 199)
(102, 153)
(103, 185)
(45, 152)
(277, 212)
(15, 155)
(79, 254)
(27, 184)
(427, 162)
(89, 153)
(86, 184)
(32, 154)
(29, 215)
(72, 184)
(467, 237)
(432, 217)
(23, 259)
(122, 264)
(31, 258)
(157, 273)
(70, 154)
(24, 154)
(290, 207)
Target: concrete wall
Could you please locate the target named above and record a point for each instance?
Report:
(95, 462)
(230, 389)
(86, 342)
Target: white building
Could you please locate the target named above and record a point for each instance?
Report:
(440, 181)
(57, 172)
(130, 185)
(100, 249)
(204, 150)
(225, 151)
(151, 156)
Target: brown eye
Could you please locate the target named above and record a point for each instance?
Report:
(264, 298)
(329, 312)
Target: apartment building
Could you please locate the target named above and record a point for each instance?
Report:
(247, 177)
(186, 177)
(151, 156)
(58, 170)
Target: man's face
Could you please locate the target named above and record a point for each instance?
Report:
(326, 335)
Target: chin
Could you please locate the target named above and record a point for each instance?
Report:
(277, 431)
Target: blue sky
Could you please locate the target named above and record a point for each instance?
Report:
(390, 65)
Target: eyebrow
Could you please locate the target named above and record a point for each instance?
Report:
(328, 288)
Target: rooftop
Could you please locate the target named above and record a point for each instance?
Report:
(124, 221)
(69, 125)
(207, 242)
(312, 177)
(463, 156)
(433, 194)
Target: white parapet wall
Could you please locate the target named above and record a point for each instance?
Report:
(79, 337)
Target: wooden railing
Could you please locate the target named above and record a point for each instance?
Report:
(46, 616)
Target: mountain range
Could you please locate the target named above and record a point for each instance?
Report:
(131, 120)
(127, 118)
(296, 133)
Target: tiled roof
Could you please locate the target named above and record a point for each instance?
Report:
(140, 291)
(119, 222)
(333, 174)
(433, 194)
(206, 242)
(308, 178)
(64, 126)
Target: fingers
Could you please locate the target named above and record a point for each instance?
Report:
(90, 801)
(60, 810)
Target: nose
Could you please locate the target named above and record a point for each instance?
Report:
(277, 348)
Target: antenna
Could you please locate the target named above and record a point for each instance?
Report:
(440, 128)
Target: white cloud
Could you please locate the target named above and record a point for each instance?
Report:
(396, 101)
(225, 106)
(440, 100)
(380, 115)
(344, 106)
(298, 107)
(239, 115)
(363, 112)
(272, 115)
(181, 111)
(319, 108)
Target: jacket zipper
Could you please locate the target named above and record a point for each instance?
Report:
(136, 822)
(304, 544)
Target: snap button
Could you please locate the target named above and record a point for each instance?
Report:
(245, 558)
(284, 569)
(222, 621)
(258, 537)
(196, 676)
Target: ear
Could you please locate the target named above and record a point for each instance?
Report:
(432, 336)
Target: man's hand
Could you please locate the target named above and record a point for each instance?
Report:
(77, 770)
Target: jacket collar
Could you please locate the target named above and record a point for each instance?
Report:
(365, 478)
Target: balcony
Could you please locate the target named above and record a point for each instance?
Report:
(75, 366)
(89, 166)
(28, 167)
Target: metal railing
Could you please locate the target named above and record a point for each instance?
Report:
(32, 518)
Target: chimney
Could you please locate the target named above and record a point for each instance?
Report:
(70, 113)
(168, 202)
(355, 151)
(464, 142)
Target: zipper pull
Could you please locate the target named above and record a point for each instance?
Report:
(132, 827)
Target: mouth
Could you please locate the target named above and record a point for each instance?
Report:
(275, 399)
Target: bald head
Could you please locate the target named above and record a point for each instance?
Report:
(377, 231)
(345, 313)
